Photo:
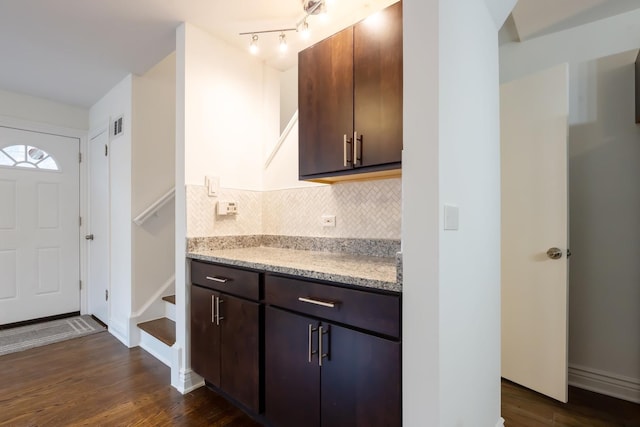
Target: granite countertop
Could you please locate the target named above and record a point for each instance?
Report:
(359, 270)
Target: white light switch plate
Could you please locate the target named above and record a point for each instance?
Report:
(451, 217)
(213, 185)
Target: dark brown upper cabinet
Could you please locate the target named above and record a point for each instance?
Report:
(350, 101)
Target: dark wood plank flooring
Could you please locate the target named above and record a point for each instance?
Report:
(96, 381)
(524, 408)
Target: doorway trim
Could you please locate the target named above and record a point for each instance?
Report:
(81, 135)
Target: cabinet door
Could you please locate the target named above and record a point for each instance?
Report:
(360, 380)
(292, 383)
(378, 87)
(325, 104)
(240, 350)
(205, 335)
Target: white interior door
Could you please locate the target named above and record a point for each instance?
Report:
(98, 286)
(39, 225)
(534, 130)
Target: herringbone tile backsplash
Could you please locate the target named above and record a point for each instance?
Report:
(370, 209)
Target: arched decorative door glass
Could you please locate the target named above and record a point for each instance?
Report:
(27, 156)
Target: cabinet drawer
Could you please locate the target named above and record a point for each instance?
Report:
(234, 281)
(366, 310)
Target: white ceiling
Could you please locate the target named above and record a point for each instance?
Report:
(74, 51)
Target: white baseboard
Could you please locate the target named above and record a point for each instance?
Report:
(500, 422)
(183, 380)
(190, 381)
(156, 348)
(119, 331)
(606, 383)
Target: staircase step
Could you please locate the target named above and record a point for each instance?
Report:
(170, 299)
(163, 329)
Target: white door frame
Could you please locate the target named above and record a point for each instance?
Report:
(32, 126)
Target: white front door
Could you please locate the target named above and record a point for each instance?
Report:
(534, 116)
(99, 227)
(39, 225)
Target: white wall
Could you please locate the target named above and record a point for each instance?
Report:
(115, 103)
(604, 145)
(153, 175)
(225, 126)
(40, 110)
(288, 95)
(451, 287)
(282, 171)
(616, 34)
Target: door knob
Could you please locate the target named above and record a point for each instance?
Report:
(554, 253)
(89, 237)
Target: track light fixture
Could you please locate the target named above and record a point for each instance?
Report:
(304, 29)
(282, 42)
(311, 7)
(253, 47)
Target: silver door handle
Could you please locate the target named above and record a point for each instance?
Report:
(89, 237)
(321, 332)
(311, 331)
(330, 304)
(554, 253)
(218, 317)
(213, 309)
(357, 157)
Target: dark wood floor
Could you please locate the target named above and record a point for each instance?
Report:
(96, 381)
(525, 408)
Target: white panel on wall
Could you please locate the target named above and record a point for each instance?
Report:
(48, 270)
(8, 205)
(8, 279)
(48, 205)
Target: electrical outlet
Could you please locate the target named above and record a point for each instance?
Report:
(328, 220)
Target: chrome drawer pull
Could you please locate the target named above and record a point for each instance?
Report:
(330, 304)
(218, 279)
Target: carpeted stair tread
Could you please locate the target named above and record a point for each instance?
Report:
(170, 299)
(163, 329)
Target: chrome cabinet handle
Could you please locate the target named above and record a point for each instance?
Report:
(357, 157)
(218, 279)
(345, 150)
(330, 304)
(218, 317)
(213, 309)
(311, 331)
(321, 332)
(346, 142)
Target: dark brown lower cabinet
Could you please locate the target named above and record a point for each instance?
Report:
(318, 374)
(225, 343)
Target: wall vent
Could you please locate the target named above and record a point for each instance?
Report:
(116, 127)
